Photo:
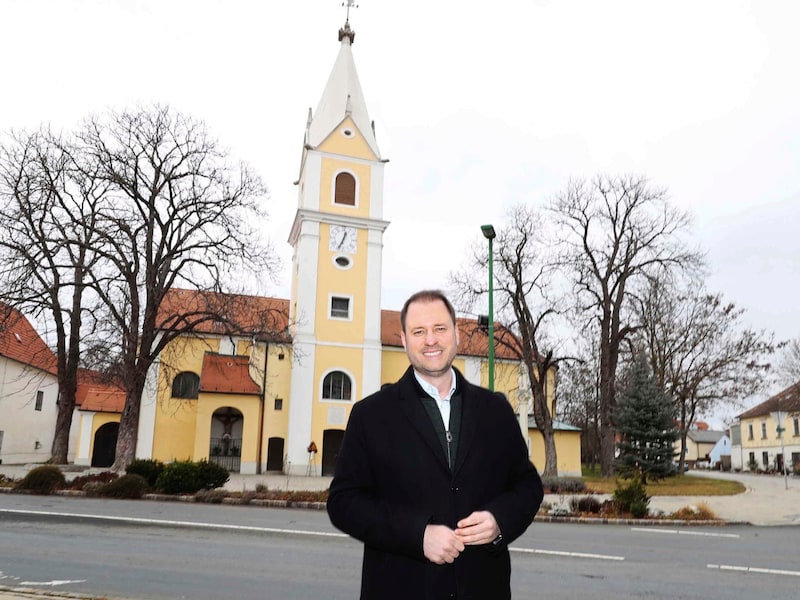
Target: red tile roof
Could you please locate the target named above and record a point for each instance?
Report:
(227, 374)
(787, 400)
(19, 341)
(266, 318)
(96, 393)
(106, 399)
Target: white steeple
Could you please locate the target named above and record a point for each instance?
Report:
(342, 98)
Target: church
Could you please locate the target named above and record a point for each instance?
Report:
(280, 402)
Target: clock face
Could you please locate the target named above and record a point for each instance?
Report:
(343, 239)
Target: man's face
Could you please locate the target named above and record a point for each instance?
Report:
(430, 338)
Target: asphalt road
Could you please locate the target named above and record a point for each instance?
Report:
(168, 550)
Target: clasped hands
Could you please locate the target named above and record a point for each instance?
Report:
(443, 545)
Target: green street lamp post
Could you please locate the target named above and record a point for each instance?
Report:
(489, 234)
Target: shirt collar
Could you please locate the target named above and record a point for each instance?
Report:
(431, 389)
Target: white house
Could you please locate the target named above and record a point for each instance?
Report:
(721, 452)
(28, 391)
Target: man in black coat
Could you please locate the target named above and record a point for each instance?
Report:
(433, 474)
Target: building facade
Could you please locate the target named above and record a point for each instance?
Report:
(28, 391)
(767, 435)
(279, 399)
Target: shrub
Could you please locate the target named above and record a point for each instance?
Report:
(149, 468)
(187, 477)
(585, 504)
(639, 508)
(43, 480)
(699, 512)
(632, 496)
(92, 488)
(80, 482)
(564, 485)
(179, 477)
(212, 475)
(261, 488)
(130, 486)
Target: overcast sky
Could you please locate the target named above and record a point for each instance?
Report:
(478, 105)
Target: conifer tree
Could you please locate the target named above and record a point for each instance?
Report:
(645, 426)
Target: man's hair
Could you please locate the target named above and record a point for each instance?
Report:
(426, 296)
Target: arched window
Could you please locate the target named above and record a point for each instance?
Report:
(337, 386)
(186, 385)
(345, 189)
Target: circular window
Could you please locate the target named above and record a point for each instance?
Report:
(348, 133)
(343, 262)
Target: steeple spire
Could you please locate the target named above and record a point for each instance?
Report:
(342, 97)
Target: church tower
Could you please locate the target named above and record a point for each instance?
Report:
(337, 237)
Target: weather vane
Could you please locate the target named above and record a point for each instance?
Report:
(349, 4)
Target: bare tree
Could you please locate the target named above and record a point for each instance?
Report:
(617, 231)
(46, 249)
(579, 397)
(788, 369)
(522, 274)
(176, 214)
(699, 350)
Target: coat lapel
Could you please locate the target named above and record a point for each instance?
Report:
(411, 406)
(470, 415)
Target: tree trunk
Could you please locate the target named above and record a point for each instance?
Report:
(66, 407)
(544, 423)
(128, 432)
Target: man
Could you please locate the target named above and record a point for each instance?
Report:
(433, 474)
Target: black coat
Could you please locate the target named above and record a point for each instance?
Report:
(392, 479)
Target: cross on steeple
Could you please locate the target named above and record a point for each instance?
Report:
(346, 32)
(349, 4)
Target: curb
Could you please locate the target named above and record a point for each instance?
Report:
(20, 593)
(269, 503)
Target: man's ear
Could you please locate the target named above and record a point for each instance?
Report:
(403, 339)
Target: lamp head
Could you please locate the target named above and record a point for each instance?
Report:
(488, 232)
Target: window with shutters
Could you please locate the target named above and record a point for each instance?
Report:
(345, 189)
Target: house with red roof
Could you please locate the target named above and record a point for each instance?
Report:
(28, 391)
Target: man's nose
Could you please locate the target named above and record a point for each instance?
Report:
(430, 338)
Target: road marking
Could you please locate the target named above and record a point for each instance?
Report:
(52, 583)
(754, 570)
(269, 530)
(176, 523)
(682, 532)
(568, 554)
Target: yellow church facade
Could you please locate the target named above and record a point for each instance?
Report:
(258, 403)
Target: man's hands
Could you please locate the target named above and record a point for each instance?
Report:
(478, 528)
(443, 545)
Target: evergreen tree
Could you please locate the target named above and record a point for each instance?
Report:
(645, 428)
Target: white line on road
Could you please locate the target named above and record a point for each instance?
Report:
(569, 554)
(271, 530)
(754, 570)
(176, 523)
(682, 532)
(53, 583)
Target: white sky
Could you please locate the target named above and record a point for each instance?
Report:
(478, 105)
